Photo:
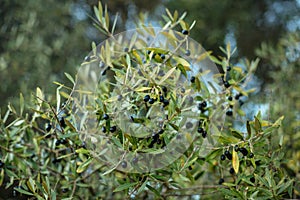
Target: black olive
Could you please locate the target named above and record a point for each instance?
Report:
(161, 98)
(228, 155)
(146, 98)
(185, 32)
(105, 116)
(62, 122)
(226, 84)
(1, 164)
(204, 134)
(124, 164)
(112, 129)
(193, 78)
(223, 157)
(151, 101)
(166, 102)
(48, 127)
(164, 89)
(244, 151)
(229, 113)
(236, 148)
(200, 130)
(187, 52)
(221, 181)
(135, 160)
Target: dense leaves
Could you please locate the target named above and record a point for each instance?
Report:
(44, 156)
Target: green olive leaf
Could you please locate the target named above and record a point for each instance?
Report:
(84, 165)
(125, 186)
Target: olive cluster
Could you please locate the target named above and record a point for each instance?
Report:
(112, 129)
(228, 155)
(152, 100)
(202, 106)
(201, 130)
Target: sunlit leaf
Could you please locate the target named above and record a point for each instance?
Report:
(84, 165)
(21, 104)
(235, 161)
(70, 78)
(167, 75)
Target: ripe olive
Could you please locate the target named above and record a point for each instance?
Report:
(48, 127)
(221, 181)
(146, 98)
(185, 32)
(105, 116)
(193, 78)
(187, 52)
(166, 102)
(229, 113)
(112, 129)
(226, 84)
(200, 130)
(204, 134)
(124, 164)
(223, 157)
(1, 164)
(62, 122)
(151, 101)
(244, 151)
(251, 155)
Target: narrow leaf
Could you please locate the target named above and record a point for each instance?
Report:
(1, 176)
(84, 165)
(114, 24)
(142, 187)
(70, 78)
(153, 190)
(40, 95)
(141, 89)
(169, 14)
(124, 186)
(248, 129)
(167, 75)
(21, 104)
(31, 184)
(235, 161)
(23, 191)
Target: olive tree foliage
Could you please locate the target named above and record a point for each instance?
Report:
(43, 154)
(284, 89)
